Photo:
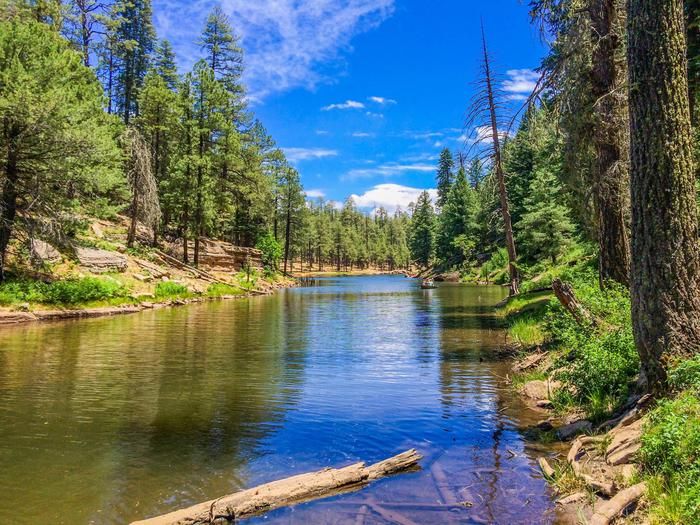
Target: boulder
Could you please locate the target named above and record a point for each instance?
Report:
(539, 390)
(43, 253)
(99, 261)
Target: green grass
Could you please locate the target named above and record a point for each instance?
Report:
(527, 331)
(221, 290)
(171, 290)
(520, 379)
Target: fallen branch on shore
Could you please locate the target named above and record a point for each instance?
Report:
(611, 509)
(285, 492)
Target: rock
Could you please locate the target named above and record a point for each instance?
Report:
(147, 305)
(539, 390)
(545, 426)
(568, 432)
(22, 307)
(545, 403)
(99, 261)
(143, 278)
(450, 277)
(625, 444)
(43, 253)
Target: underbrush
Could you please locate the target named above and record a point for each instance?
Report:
(69, 292)
(670, 456)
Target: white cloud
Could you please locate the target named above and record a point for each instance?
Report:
(288, 43)
(382, 101)
(481, 135)
(389, 169)
(390, 196)
(424, 135)
(315, 194)
(521, 84)
(301, 154)
(374, 115)
(321, 132)
(362, 135)
(348, 104)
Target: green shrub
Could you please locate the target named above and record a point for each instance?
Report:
(169, 289)
(671, 451)
(67, 292)
(271, 252)
(686, 375)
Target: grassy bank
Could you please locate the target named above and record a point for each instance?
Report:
(597, 366)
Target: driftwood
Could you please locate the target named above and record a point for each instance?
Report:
(609, 510)
(285, 492)
(565, 293)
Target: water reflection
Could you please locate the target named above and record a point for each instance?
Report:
(115, 419)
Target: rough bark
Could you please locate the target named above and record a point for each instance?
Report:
(285, 492)
(665, 249)
(611, 138)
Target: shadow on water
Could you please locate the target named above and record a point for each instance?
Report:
(116, 419)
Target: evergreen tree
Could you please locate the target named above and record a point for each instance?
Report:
(164, 64)
(223, 52)
(445, 176)
(56, 141)
(545, 229)
(134, 43)
(457, 228)
(665, 251)
(422, 242)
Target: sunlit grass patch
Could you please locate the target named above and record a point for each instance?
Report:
(527, 332)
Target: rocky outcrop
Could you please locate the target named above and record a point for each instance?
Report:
(43, 253)
(626, 442)
(100, 261)
(570, 431)
(450, 277)
(220, 256)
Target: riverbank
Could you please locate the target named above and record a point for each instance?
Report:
(96, 274)
(631, 458)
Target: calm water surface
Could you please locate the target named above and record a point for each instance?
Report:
(110, 420)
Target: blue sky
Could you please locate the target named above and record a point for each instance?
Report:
(363, 94)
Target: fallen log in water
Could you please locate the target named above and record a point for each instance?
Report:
(285, 492)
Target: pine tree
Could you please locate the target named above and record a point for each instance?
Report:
(56, 141)
(223, 52)
(545, 229)
(422, 241)
(445, 176)
(164, 64)
(457, 228)
(665, 251)
(134, 42)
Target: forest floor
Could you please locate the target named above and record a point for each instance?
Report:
(628, 458)
(99, 276)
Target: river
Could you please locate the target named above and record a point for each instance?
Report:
(108, 420)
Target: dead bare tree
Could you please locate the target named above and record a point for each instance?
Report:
(483, 122)
(145, 206)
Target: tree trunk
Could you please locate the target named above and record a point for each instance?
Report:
(665, 250)
(8, 204)
(288, 229)
(132, 227)
(610, 137)
(500, 176)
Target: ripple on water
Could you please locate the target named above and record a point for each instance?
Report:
(116, 419)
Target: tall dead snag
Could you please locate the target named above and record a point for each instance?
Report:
(145, 206)
(483, 115)
(611, 138)
(285, 492)
(665, 248)
(565, 293)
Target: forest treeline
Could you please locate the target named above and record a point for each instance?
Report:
(97, 120)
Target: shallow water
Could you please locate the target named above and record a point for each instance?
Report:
(110, 420)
